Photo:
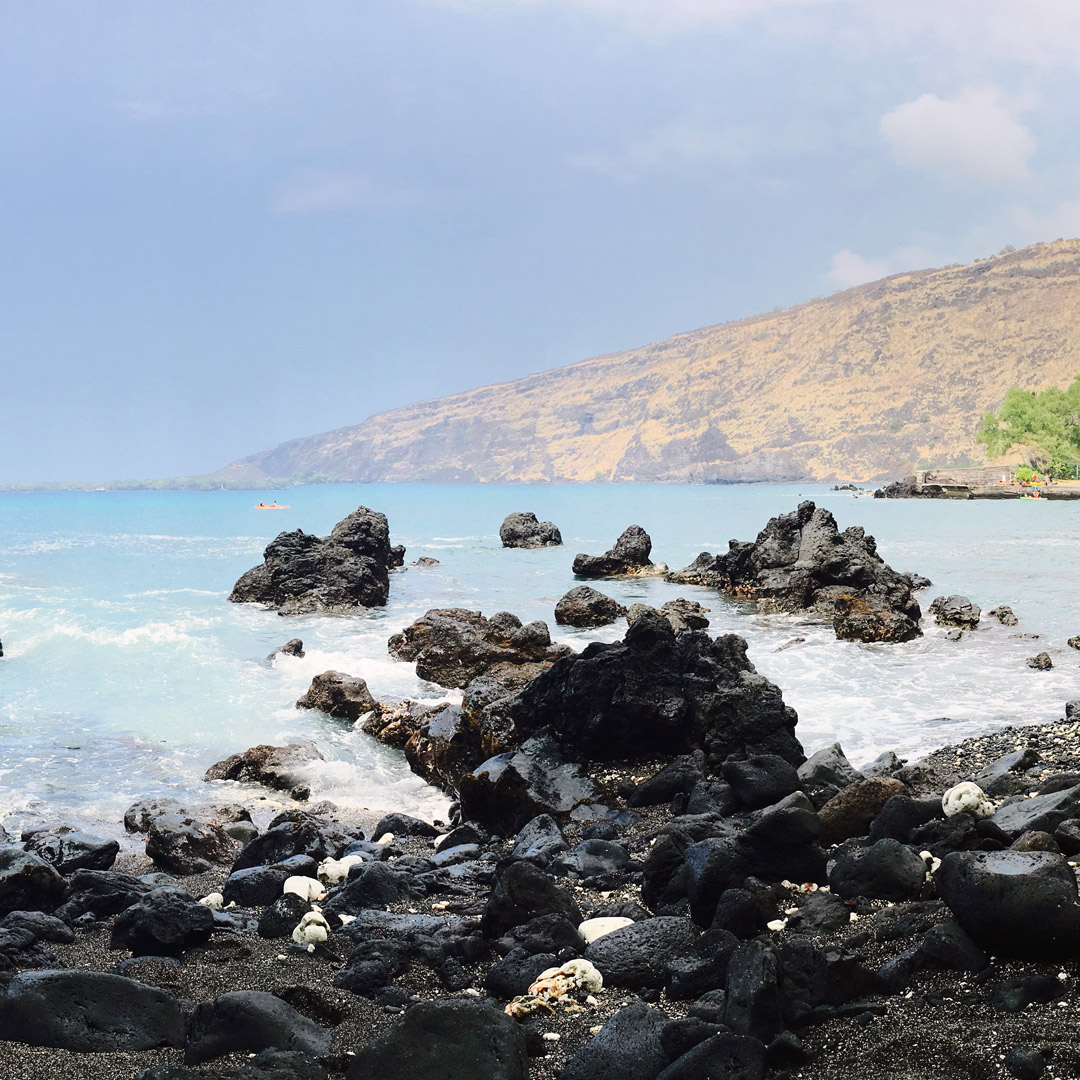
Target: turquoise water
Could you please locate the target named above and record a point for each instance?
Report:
(127, 672)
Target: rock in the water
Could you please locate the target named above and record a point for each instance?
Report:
(1040, 662)
(89, 1012)
(438, 1040)
(685, 615)
(628, 556)
(165, 922)
(247, 1021)
(292, 647)
(956, 611)
(1013, 903)
(27, 882)
(654, 694)
(343, 696)
(584, 606)
(347, 570)
(279, 767)
(184, 846)
(1004, 615)
(522, 530)
(69, 849)
(867, 617)
(452, 646)
(802, 562)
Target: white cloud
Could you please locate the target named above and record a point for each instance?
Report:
(975, 135)
(309, 191)
(1032, 227)
(673, 147)
(849, 269)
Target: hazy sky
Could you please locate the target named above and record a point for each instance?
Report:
(223, 225)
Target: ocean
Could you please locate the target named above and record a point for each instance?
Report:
(127, 673)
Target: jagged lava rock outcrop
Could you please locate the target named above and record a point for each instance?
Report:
(522, 530)
(346, 570)
(802, 562)
(655, 693)
(628, 556)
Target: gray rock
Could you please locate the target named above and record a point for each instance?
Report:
(345, 697)
(956, 611)
(627, 1047)
(165, 922)
(887, 870)
(522, 530)
(437, 1040)
(184, 846)
(89, 1012)
(28, 883)
(247, 1021)
(628, 555)
(1013, 903)
(584, 606)
(69, 849)
(634, 955)
(1041, 813)
(828, 766)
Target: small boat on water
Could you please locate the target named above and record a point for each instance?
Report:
(271, 506)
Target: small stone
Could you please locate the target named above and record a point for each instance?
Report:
(966, 798)
(591, 929)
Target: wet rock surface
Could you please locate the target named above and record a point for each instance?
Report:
(343, 572)
(343, 696)
(584, 606)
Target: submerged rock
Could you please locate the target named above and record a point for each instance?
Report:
(344, 696)
(956, 611)
(584, 606)
(347, 570)
(629, 555)
(279, 767)
(522, 530)
(862, 617)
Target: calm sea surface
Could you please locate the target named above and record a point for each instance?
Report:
(126, 672)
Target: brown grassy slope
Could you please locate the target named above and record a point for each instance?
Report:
(857, 385)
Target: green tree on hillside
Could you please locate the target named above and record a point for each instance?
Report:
(1047, 423)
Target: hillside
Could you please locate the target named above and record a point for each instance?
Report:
(855, 386)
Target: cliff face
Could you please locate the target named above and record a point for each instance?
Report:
(855, 386)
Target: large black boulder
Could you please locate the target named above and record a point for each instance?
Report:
(509, 790)
(627, 556)
(1013, 903)
(181, 845)
(346, 570)
(522, 893)
(628, 1047)
(584, 606)
(247, 1021)
(635, 956)
(439, 1040)
(165, 922)
(28, 882)
(89, 1012)
(655, 694)
(887, 870)
(69, 849)
(522, 530)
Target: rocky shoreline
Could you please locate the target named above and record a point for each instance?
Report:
(642, 876)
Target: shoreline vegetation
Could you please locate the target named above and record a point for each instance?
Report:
(642, 875)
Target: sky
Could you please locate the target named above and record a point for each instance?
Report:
(227, 225)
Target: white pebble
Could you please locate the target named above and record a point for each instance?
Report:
(214, 901)
(386, 838)
(591, 929)
(777, 924)
(552, 1036)
(334, 871)
(966, 798)
(471, 991)
(312, 930)
(307, 888)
